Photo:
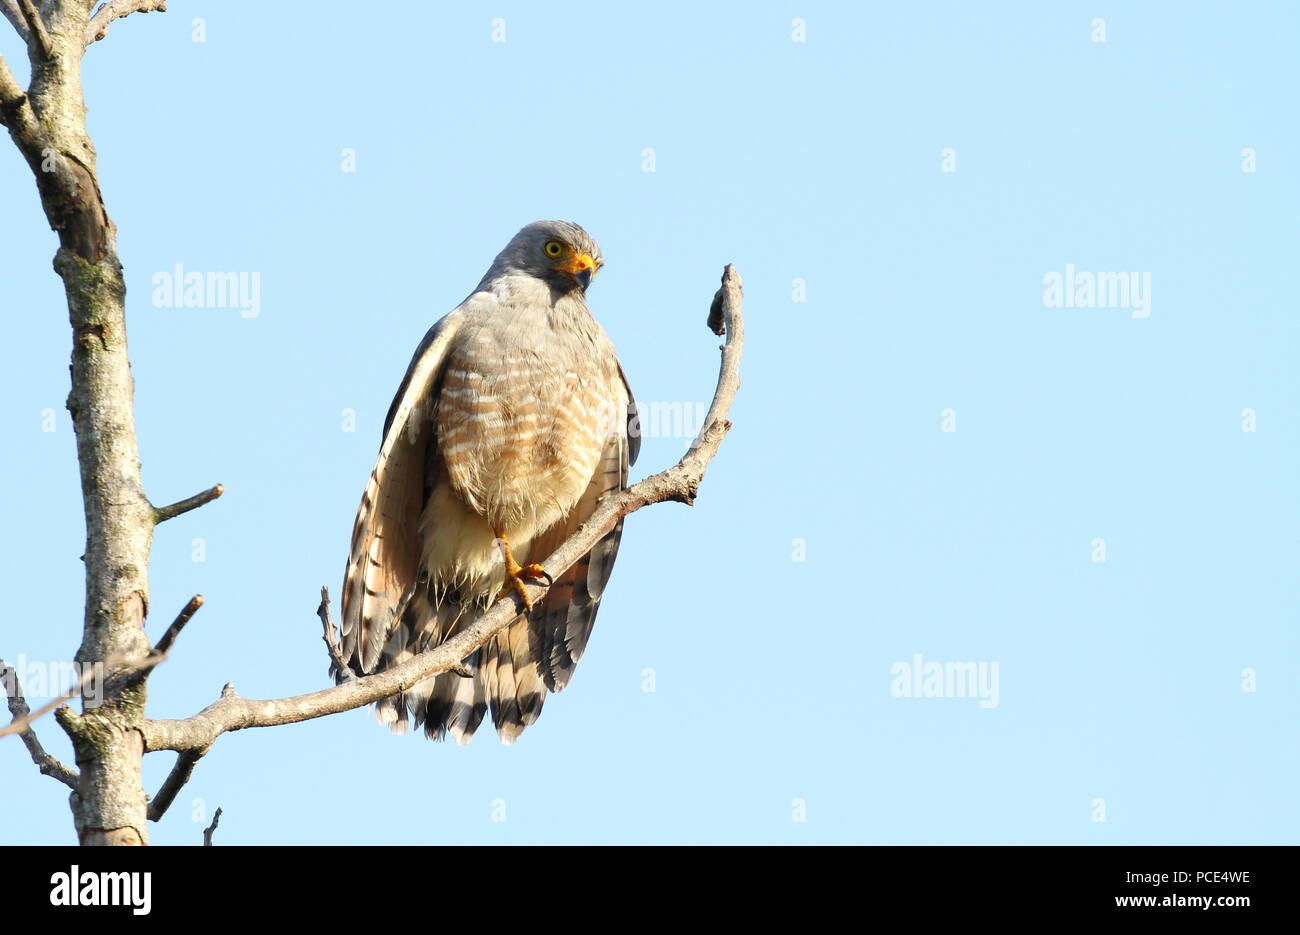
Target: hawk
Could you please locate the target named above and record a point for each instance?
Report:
(513, 420)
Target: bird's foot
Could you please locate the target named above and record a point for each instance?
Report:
(516, 573)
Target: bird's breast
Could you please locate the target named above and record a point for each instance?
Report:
(521, 426)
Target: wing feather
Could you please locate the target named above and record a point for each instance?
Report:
(382, 565)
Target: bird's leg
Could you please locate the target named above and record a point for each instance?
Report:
(516, 573)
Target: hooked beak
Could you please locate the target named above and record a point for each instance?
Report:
(582, 267)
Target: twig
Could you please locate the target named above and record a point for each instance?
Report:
(724, 318)
(680, 483)
(169, 637)
(338, 667)
(178, 777)
(37, 27)
(97, 28)
(163, 513)
(48, 764)
(207, 832)
(11, 12)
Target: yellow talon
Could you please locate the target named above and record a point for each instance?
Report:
(516, 573)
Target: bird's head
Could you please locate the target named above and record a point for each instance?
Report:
(560, 253)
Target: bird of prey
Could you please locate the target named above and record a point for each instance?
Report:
(513, 420)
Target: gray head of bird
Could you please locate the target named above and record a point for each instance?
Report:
(560, 253)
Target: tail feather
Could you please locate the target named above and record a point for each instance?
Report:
(391, 712)
(529, 690)
(501, 688)
(469, 702)
(423, 622)
(505, 676)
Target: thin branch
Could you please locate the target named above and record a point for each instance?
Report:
(340, 670)
(48, 765)
(338, 667)
(163, 513)
(177, 778)
(37, 27)
(10, 10)
(169, 637)
(680, 483)
(724, 318)
(207, 832)
(97, 28)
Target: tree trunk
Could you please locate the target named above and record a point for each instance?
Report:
(110, 806)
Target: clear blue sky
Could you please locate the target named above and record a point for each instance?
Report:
(820, 161)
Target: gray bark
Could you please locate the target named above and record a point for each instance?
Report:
(47, 123)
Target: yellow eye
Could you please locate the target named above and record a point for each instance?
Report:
(553, 248)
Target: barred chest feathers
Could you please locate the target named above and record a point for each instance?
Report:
(520, 432)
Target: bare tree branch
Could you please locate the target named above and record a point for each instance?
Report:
(97, 28)
(680, 483)
(188, 759)
(11, 12)
(338, 667)
(724, 318)
(163, 513)
(207, 832)
(49, 765)
(177, 778)
(47, 123)
(168, 638)
(37, 27)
